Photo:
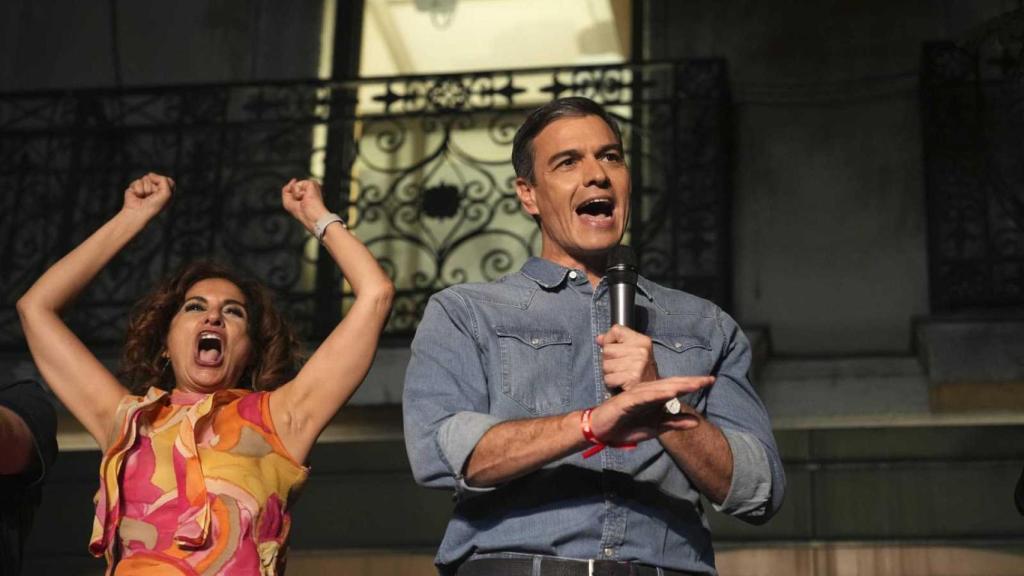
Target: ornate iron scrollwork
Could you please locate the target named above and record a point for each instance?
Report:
(427, 182)
(973, 117)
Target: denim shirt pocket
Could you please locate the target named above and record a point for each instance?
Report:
(536, 365)
(683, 355)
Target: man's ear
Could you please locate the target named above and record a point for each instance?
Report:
(527, 196)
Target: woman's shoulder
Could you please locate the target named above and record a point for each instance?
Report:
(253, 408)
(251, 411)
(247, 409)
(131, 404)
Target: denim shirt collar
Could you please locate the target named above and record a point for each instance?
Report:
(549, 275)
(544, 272)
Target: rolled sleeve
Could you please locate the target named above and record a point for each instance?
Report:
(457, 438)
(445, 400)
(751, 487)
(758, 481)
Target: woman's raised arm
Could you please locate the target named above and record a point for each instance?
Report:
(303, 407)
(78, 378)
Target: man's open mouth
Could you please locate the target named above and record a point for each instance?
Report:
(597, 208)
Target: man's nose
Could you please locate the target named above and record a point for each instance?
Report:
(595, 173)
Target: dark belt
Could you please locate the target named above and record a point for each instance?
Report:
(550, 566)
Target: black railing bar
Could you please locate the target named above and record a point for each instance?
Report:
(164, 125)
(11, 128)
(634, 97)
(333, 84)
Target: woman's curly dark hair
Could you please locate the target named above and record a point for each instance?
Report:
(275, 348)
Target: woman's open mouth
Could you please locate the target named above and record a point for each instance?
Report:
(210, 349)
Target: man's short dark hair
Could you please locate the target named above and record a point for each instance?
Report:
(574, 106)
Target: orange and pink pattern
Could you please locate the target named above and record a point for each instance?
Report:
(205, 486)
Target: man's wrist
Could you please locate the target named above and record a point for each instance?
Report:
(587, 429)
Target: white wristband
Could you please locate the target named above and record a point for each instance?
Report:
(323, 222)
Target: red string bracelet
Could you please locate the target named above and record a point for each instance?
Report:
(598, 445)
(588, 433)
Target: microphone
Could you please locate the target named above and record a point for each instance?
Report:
(621, 273)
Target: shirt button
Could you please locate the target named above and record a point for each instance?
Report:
(679, 344)
(609, 552)
(572, 274)
(535, 341)
(607, 395)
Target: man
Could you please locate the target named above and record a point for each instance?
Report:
(28, 447)
(516, 386)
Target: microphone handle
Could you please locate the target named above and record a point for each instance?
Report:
(622, 300)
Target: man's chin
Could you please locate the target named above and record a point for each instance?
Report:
(600, 248)
(594, 256)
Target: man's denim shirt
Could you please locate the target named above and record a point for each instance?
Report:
(523, 347)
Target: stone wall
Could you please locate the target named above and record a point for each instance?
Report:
(830, 238)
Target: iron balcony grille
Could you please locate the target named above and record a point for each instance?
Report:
(420, 166)
(973, 127)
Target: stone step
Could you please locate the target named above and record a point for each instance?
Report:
(809, 393)
(804, 393)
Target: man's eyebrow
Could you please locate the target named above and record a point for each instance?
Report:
(569, 153)
(575, 153)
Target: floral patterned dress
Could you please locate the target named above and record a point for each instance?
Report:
(195, 484)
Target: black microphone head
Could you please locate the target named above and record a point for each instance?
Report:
(621, 277)
(621, 257)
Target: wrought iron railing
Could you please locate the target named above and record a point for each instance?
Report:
(420, 164)
(973, 126)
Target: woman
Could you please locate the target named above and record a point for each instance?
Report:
(200, 469)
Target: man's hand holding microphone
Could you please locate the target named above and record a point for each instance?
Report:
(641, 404)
